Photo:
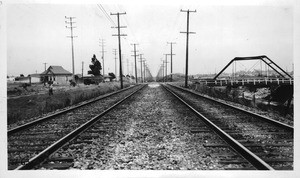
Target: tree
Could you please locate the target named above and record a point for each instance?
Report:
(95, 66)
(111, 76)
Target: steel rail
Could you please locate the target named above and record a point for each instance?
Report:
(32, 123)
(257, 162)
(267, 119)
(58, 144)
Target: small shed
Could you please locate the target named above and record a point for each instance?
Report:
(34, 78)
(57, 74)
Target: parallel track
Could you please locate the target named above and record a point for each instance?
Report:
(51, 116)
(247, 133)
(29, 145)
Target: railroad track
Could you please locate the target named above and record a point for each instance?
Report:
(265, 143)
(31, 143)
(144, 138)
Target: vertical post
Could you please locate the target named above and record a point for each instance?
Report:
(136, 80)
(172, 59)
(166, 61)
(45, 66)
(134, 45)
(187, 52)
(141, 60)
(127, 62)
(187, 46)
(163, 71)
(120, 54)
(119, 40)
(115, 53)
(82, 68)
(73, 68)
(144, 71)
(71, 27)
(102, 51)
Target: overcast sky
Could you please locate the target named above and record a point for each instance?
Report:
(36, 34)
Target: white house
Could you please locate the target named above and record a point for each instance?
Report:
(57, 74)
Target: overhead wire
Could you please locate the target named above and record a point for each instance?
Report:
(106, 14)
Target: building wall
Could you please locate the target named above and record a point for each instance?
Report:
(61, 79)
(26, 80)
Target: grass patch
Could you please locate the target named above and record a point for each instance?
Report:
(26, 107)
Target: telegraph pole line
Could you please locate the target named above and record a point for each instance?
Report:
(115, 53)
(102, 51)
(134, 47)
(45, 66)
(71, 22)
(141, 61)
(119, 39)
(82, 68)
(166, 61)
(127, 63)
(187, 45)
(163, 70)
(144, 71)
(171, 59)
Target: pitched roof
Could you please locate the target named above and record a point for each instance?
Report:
(56, 70)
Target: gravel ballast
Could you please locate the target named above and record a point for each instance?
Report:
(149, 131)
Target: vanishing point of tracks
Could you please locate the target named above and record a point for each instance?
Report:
(31, 143)
(267, 144)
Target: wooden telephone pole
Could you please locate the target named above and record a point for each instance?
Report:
(134, 45)
(171, 43)
(187, 46)
(119, 39)
(71, 22)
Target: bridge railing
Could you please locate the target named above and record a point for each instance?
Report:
(243, 82)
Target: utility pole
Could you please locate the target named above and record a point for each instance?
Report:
(166, 61)
(131, 70)
(134, 47)
(163, 70)
(187, 45)
(119, 39)
(45, 66)
(115, 53)
(171, 59)
(141, 61)
(70, 22)
(82, 67)
(102, 51)
(144, 71)
(127, 62)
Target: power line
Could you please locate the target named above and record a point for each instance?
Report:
(106, 14)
